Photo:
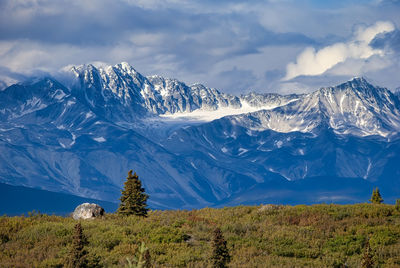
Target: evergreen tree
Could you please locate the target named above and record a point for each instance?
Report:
(376, 197)
(397, 206)
(220, 255)
(367, 260)
(133, 198)
(77, 256)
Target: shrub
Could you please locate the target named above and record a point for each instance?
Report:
(167, 234)
(347, 244)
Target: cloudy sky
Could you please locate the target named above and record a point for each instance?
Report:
(236, 46)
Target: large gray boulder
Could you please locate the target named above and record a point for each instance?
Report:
(87, 211)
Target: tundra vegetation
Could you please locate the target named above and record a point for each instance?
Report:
(256, 236)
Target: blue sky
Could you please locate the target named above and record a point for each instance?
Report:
(237, 46)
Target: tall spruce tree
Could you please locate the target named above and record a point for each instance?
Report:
(220, 254)
(77, 255)
(133, 198)
(376, 197)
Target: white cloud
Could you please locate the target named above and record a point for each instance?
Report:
(27, 57)
(358, 67)
(197, 41)
(317, 62)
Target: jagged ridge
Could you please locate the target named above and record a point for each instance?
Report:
(355, 107)
(158, 95)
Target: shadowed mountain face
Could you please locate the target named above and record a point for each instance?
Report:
(81, 137)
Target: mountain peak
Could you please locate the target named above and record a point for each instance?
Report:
(360, 83)
(358, 79)
(83, 68)
(126, 67)
(358, 86)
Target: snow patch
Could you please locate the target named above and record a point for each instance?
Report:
(341, 103)
(242, 151)
(249, 132)
(73, 139)
(88, 115)
(368, 169)
(212, 156)
(278, 144)
(207, 116)
(274, 171)
(193, 165)
(59, 94)
(204, 136)
(69, 103)
(99, 139)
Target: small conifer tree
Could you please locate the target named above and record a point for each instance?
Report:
(376, 197)
(220, 254)
(77, 256)
(397, 206)
(133, 198)
(367, 259)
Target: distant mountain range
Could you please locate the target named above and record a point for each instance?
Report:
(194, 146)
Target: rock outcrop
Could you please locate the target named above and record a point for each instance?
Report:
(87, 211)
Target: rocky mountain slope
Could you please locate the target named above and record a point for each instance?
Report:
(83, 135)
(355, 107)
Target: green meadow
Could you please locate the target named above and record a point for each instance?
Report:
(257, 236)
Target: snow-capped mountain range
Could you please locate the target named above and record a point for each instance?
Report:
(122, 85)
(195, 146)
(355, 107)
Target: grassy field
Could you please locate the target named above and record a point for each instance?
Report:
(269, 236)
